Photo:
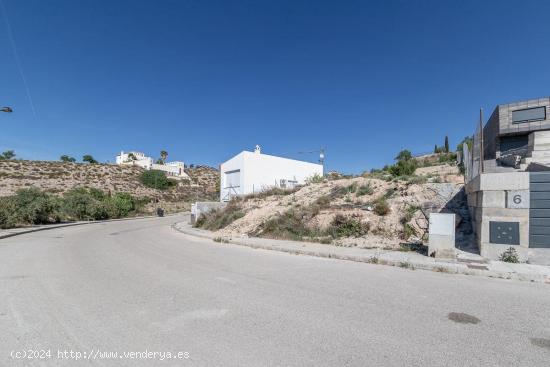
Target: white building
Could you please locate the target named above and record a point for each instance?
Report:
(175, 169)
(250, 172)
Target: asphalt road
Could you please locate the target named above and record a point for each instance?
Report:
(140, 286)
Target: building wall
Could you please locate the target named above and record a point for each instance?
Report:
(259, 172)
(507, 126)
(264, 171)
(491, 199)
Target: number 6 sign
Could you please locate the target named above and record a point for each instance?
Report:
(517, 199)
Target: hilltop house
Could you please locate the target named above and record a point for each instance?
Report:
(250, 172)
(174, 169)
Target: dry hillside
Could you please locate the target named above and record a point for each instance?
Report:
(59, 177)
(316, 205)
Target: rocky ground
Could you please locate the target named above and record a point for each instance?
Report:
(436, 189)
(59, 177)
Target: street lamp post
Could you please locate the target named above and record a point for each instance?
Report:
(6, 109)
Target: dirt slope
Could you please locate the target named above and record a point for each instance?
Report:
(59, 177)
(409, 203)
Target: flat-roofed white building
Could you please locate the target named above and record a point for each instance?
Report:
(175, 169)
(250, 172)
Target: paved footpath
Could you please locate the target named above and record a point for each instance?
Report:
(467, 264)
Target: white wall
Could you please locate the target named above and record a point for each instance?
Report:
(261, 171)
(235, 163)
(176, 168)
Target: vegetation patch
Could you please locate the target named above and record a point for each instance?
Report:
(33, 206)
(275, 191)
(510, 256)
(381, 207)
(220, 218)
(316, 178)
(365, 190)
(345, 226)
(156, 179)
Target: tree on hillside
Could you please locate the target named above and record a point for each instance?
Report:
(66, 158)
(8, 154)
(163, 156)
(404, 155)
(446, 144)
(405, 166)
(88, 158)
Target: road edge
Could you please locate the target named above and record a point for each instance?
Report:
(434, 266)
(47, 227)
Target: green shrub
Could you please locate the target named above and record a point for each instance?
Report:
(403, 168)
(381, 207)
(32, 206)
(156, 179)
(79, 204)
(289, 225)
(86, 204)
(510, 255)
(122, 204)
(365, 190)
(7, 213)
(36, 207)
(343, 226)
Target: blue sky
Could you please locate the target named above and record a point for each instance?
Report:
(207, 79)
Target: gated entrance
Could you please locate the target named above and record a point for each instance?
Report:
(539, 212)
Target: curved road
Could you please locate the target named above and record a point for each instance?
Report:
(139, 286)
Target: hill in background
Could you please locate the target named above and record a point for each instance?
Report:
(60, 177)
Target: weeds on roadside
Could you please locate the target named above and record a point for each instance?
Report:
(510, 255)
(220, 218)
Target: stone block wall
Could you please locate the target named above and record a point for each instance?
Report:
(488, 201)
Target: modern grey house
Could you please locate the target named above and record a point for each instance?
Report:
(508, 184)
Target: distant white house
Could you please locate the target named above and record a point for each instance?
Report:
(175, 169)
(250, 172)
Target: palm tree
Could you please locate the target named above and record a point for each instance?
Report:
(163, 156)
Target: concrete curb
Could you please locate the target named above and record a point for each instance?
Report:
(47, 227)
(381, 258)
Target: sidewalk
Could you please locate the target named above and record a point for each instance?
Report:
(5, 233)
(468, 265)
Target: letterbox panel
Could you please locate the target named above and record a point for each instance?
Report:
(506, 233)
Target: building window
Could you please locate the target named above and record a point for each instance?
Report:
(529, 114)
(233, 179)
